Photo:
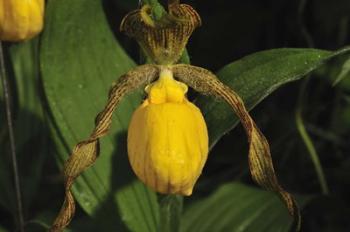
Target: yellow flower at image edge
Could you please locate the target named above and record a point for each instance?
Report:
(20, 19)
(168, 138)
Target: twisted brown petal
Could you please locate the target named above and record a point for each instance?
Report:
(260, 161)
(85, 153)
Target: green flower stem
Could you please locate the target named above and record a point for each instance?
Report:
(7, 99)
(157, 8)
(170, 205)
(307, 140)
(170, 213)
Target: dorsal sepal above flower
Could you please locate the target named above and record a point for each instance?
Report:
(162, 40)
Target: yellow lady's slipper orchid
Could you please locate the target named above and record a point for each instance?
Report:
(167, 138)
(20, 19)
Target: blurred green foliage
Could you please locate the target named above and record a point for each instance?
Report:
(60, 80)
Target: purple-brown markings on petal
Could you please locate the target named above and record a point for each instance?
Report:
(260, 161)
(85, 152)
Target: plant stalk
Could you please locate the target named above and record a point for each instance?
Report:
(170, 213)
(13, 153)
(298, 112)
(307, 140)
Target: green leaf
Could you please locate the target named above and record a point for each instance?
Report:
(80, 59)
(31, 131)
(238, 207)
(255, 77)
(29, 126)
(42, 223)
(345, 72)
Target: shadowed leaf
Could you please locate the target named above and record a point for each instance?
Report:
(30, 131)
(80, 60)
(237, 207)
(256, 76)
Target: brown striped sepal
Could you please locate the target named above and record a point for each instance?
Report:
(86, 152)
(163, 40)
(259, 156)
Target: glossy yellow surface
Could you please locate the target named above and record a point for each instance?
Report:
(167, 138)
(20, 19)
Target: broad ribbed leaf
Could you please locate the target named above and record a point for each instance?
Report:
(30, 132)
(237, 207)
(256, 76)
(30, 128)
(80, 59)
